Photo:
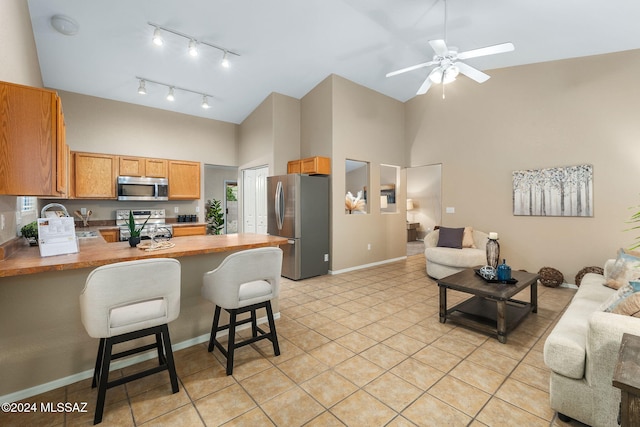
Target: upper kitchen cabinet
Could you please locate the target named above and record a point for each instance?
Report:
(95, 175)
(142, 166)
(184, 180)
(33, 150)
(312, 166)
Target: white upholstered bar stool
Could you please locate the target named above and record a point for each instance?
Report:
(125, 301)
(244, 282)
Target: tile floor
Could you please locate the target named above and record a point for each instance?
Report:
(363, 348)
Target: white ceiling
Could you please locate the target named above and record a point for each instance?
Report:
(289, 46)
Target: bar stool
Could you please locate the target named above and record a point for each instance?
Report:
(125, 301)
(244, 282)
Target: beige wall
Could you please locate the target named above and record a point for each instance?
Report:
(18, 64)
(578, 111)
(367, 126)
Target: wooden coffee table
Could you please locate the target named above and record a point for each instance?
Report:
(492, 308)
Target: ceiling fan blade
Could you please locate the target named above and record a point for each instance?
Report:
(440, 47)
(425, 87)
(489, 50)
(472, 73)
(413, 67)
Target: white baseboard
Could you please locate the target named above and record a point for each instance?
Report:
(61, 382)
(373, 264)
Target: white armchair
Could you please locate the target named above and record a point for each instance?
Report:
(444, 261)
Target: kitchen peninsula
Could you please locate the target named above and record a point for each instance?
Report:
(44, 343)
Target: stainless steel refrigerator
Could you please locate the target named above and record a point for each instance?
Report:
(298, 209)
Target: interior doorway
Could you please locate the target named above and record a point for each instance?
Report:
(231, 207)
(424, 204)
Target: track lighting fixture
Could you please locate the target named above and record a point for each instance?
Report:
(225, 60)
(193, 48)
(157, 37)
(193, 43)
(205, 104)
(142, 89)
(170, 96)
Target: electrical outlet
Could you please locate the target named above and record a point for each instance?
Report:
(197, 209)
(83, 211)
(2, 222)
(176, 209)
(368, 246)
(326, 257)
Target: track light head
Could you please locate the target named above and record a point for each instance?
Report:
(157, 37)
(225, 60)
(170, 96)
(193, 48)
(142, 89)
(205, 104)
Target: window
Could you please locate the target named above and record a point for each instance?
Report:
(27, 204)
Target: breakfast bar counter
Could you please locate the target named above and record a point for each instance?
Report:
(95, 252)
(44, 344)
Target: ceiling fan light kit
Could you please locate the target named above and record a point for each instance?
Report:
(447, 62)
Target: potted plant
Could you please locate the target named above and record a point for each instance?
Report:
(215, 217)
(635, 218)
(30, 232)
(134, 232)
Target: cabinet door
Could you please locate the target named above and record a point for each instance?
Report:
(293, 166)
(110, 235)
(131, 166)
(190, 230)
(156, 168)
(316, 166)
(62, 152)
(184, 180)
(28, 141)
(95, 176)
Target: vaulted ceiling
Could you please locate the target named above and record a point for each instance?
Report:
(289, 46)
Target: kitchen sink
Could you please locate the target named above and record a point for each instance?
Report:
(86, 234)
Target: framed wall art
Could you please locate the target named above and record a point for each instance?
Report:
(562, 191)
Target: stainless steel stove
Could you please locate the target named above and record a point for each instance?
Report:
(156, 216)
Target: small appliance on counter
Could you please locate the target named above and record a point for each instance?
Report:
(155, 216)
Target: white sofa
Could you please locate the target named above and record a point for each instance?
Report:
(443, 262)
(582, 351)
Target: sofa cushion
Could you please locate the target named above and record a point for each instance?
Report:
(450, 237)
(625, 269)
(616, 298)
(565, 348)
(630, 306)
(467, 238)
(456, 257)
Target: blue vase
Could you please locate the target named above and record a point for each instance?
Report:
(504, 271)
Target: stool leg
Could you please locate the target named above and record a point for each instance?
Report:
(99, 359)
(161, 358)
(254, 324)
(272, 329)
(171, 367)
(214, 329)
(232, 341)
(103, 380)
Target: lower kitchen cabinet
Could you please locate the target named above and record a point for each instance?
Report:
(189, 230)
(110, 235)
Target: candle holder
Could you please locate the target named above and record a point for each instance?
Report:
(493, 252)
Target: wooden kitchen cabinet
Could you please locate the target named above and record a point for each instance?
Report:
(189, 230)
(94, 175)
(33, 149)
(184, 180)
(312, 166)
(142, 166)
(110, 235)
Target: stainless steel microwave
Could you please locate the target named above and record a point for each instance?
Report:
(142, 188)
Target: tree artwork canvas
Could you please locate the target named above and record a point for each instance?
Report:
(563, 191)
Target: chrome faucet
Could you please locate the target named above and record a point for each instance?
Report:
(50, 205)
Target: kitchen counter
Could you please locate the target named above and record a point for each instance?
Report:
(44, 343)
(95, 252)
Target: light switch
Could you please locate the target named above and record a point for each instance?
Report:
(451, 209)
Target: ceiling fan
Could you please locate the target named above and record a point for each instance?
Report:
(447, 62)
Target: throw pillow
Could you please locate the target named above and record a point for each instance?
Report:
(612, 302)
(450, 237)
(625, 269)
(467, 238)
(630, 306)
